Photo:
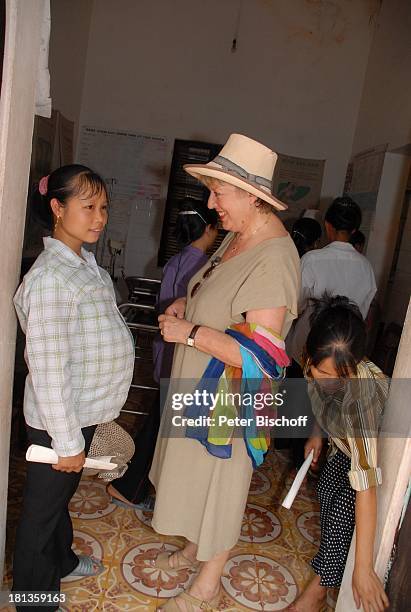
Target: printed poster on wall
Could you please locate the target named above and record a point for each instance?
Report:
(134, 168)
(362, 182)
(297, 181)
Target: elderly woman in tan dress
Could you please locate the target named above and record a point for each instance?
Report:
(254, 279)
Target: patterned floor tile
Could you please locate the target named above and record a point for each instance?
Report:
(91, 501)
(259, 525)
(266, 571)
(259, 583)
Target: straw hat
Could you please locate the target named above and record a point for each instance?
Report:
(245, 163)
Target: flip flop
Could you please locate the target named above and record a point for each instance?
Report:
(147, 505)
(87, 566)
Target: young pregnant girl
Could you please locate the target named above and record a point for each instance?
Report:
(80, 357)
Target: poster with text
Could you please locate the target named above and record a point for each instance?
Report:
(297, 182)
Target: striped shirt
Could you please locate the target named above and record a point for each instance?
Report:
(351, 416)
(79, 351)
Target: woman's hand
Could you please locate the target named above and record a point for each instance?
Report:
(70, 464)
(368, 590)
(314, 443)
(174, 329)
(177, 308)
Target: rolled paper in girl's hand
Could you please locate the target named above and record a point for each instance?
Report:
(295, 487)
(42, 454)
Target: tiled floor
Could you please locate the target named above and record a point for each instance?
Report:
(266, 571)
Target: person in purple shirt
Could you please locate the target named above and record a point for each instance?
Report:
(196, 231)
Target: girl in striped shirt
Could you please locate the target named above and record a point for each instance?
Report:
(347, 394)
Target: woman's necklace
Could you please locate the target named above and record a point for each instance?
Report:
(235, 245)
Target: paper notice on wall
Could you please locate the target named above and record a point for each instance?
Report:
(297, 182)
(364, 171)
(134, 168)
(362, 182)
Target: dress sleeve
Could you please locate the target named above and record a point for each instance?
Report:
(51, 322)
(364, 471)
(273, 282)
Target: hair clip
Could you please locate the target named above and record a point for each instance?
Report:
(43, 185)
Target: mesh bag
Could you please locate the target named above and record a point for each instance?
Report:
(113, 441)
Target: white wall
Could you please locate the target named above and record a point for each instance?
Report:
(385, 112)
(70, 26)
(165, 67)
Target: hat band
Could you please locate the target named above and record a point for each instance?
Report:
(232, 167)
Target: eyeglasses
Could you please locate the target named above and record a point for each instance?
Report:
(206, 274)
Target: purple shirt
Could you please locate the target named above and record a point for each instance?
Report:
(176, 275)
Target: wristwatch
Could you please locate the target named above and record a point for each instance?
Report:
(190, 339)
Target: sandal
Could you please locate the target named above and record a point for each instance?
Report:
(87, 566)
(191, 603)
(162, 561)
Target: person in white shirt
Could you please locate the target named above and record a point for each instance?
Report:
(80, 357)
(336, 269)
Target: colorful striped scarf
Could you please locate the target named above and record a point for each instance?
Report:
(264, 360)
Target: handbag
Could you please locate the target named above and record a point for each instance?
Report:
(111, 440)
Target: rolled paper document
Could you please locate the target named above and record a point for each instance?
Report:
(42, 454)
(295, 487)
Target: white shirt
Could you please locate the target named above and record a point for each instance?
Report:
(79, 351)
(338, 269)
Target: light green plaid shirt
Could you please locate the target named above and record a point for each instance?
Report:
(79, 351)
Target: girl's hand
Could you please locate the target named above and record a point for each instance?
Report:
(314, 443)
(177, 308)
(174, 329)
(368, 590)
(70, 464)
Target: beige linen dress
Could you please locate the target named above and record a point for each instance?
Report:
(199, 496)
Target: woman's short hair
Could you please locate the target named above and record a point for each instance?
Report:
(344, 215)
(192, 219)
(64, 183)
(210, 182)
(305, 233)
(337, 331)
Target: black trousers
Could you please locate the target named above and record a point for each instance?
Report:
(43, 554)
(135, 485)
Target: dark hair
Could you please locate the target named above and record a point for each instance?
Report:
(305, 232)
(64, 183)
(344, 215)
(357, 238)
(337, 331)
(190, 227)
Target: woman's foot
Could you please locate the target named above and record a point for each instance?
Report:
(312, 599)
(180, 559)
(116, 495)
(147, 504)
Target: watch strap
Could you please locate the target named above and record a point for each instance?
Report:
(192, 335)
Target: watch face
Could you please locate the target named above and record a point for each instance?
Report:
(190, 341)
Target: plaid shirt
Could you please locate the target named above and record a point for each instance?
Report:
(79, 351)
